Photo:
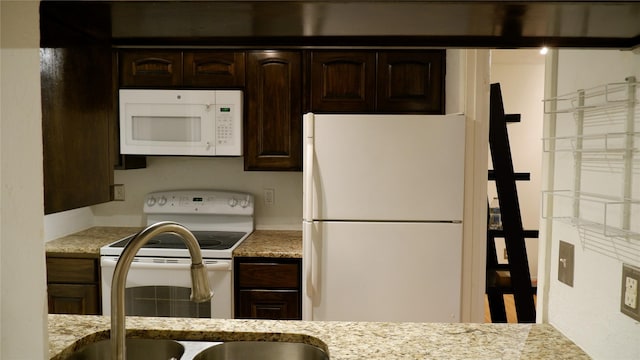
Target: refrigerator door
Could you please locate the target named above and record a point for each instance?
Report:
(383, 271)
(384, 167)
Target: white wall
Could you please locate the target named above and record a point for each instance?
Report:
(589, 312)
(166, 173)
(521, 77)
(23, 303)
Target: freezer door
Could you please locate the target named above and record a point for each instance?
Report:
(382, 271)
(387, 167)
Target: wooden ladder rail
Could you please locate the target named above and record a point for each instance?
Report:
(514, 234)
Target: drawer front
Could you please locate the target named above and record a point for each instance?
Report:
(268, 275)
(67, 270)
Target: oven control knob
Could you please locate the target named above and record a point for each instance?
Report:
(244, 203)
(151, 201)
(162, 201)
(233, 202)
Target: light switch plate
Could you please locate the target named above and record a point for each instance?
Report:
(630, 293)
(566, 263)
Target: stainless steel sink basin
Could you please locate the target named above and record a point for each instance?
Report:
(142, 349)
(263, 350)
(165, 349)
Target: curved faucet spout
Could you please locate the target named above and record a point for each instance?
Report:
(200, 289)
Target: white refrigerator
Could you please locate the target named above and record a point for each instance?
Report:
(382, 217)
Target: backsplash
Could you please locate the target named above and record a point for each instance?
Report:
(170, 173)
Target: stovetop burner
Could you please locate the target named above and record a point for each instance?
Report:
(208, 240)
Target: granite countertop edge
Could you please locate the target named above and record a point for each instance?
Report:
(261, 243)
(341, 340)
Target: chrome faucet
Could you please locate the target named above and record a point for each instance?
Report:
(200, 290)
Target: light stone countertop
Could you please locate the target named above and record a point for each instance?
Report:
(271, 243)
(261, 243)
(87, 243)
(342, 340)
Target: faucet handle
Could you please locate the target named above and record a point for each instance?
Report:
(200, 289)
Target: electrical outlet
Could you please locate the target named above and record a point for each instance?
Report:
(118, 192)
(630, 294)
(269, 197)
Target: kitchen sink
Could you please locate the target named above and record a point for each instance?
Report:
(136, 349)
(264, 350)
(164, 349)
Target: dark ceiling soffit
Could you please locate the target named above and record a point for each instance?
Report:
(93, 18)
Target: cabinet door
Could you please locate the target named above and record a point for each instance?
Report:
(343, 81)
(269, 304)
(77, 123)
(273, 120)
(150, 68)
(213, 69)
(72, 285)
(411, 82)
(73, 299)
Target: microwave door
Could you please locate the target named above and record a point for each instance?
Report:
(168, 129)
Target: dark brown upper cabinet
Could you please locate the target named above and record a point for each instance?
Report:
(149, 68)
(343, 81)
(77, 126)
(377, 81)
(273, 116)
(175, 68)
(411, 82)
(213, 68)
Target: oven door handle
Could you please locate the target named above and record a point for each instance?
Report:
(211, 265)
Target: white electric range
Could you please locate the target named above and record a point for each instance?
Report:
(158, 282)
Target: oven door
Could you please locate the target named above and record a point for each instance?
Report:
(162, 286)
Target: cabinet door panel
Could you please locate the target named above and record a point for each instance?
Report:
(73, 299)
(411, 82)
(273, 131)
(214, 69)
(77, 120)
(269, 304)
(150, 68)
(343, 81)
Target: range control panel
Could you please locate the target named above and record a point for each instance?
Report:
(199, 202)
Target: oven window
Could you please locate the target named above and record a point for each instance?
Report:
(164, 301)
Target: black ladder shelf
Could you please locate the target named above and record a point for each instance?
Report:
(514, 277)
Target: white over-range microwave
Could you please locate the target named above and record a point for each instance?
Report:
(181, 122)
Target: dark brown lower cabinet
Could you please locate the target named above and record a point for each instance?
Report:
(73, 286)
(73, 299)
(267, 288)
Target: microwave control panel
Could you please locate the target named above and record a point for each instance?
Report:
(228, 122)
(225, 129)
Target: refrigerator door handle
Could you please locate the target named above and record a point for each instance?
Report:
(309, 279)
(308, 167)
